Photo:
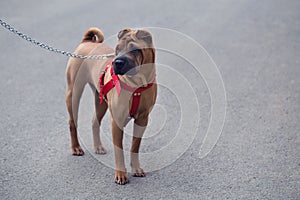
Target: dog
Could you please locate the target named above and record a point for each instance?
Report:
(124, 84)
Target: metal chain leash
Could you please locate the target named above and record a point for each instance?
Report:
(49, 48)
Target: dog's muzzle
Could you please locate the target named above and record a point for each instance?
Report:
(122, 65)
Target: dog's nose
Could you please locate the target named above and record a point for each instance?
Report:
(119, 63)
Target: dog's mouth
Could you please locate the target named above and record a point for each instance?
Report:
(126, 64)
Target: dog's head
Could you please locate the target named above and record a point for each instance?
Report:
(134, 49)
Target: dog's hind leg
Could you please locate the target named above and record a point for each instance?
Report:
(73, 94)
(100, 110)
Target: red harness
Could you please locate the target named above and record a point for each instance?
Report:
(115, 82)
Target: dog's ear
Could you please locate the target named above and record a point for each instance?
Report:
(123, 32)
(144, 35)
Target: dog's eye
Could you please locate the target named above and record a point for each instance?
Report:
(117, 49)
(136, 51)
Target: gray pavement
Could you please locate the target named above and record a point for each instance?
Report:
(256, 46)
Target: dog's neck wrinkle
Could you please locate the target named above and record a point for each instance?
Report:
(142, 79)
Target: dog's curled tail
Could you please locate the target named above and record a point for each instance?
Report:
(93, 34)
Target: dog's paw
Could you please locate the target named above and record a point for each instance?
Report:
(77, 151)
(137, 172)
(121, 177)
(100, 150)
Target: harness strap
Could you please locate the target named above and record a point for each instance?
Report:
(101, 83)
(136, 97)
(115, 82)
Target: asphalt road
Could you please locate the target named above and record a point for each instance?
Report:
(256, 46)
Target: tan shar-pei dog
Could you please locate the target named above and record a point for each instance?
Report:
(125, 84)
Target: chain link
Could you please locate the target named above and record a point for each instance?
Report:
(49, 48)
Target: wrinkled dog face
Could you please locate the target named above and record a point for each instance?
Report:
(134, 49)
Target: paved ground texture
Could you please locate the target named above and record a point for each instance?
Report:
(256, 46)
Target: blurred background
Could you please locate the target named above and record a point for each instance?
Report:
(255, 45)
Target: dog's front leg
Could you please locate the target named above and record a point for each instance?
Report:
(138, 132)
(117, 136)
